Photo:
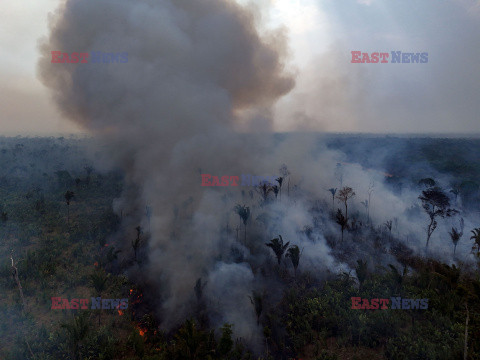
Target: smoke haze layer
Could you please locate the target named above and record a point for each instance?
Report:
(196, 72)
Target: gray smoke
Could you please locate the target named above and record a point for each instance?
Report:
(168, 112)
(196, 71)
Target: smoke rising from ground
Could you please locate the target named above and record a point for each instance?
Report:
(168, 111)
(195, 70)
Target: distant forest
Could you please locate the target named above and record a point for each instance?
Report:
(61, 235)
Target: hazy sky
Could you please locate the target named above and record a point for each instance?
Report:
(332, 94)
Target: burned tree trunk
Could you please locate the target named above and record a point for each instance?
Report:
(17, 280)
(24, 304)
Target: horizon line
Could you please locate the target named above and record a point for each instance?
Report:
(300, 132)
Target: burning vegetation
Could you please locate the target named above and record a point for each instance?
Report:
(211, 272)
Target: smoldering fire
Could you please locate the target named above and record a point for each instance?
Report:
(196, 72)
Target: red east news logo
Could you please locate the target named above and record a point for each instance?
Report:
(74, 58)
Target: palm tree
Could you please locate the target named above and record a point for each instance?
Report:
(293, 253)
(257, 302)
(244, 214)
(280, 181)
(341, 220)
(344, 195)
(476, 238)
(362, 271)
(99, 282)
(388, 224)
(69, 195)
(275, 189)
(264, 189)
(456, 234)
(278, 247)
(333, 191)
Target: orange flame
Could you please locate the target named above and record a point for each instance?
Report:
(120, 312)
(95, 263)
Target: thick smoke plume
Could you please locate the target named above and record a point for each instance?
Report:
(169, 112)
(196, 72)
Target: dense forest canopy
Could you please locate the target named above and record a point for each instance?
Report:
(308, 290)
